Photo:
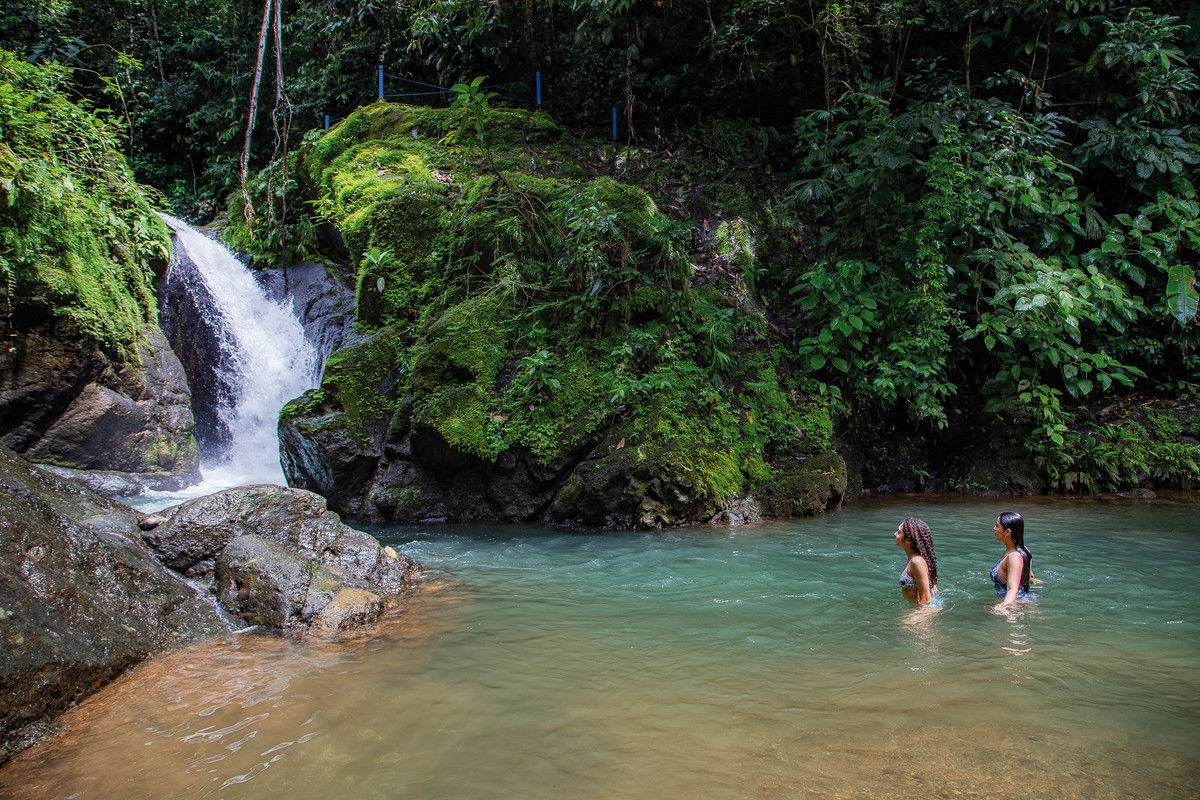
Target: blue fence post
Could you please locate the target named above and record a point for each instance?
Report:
(537, 79)
(614, 123)
(326, 122)
(381, 81)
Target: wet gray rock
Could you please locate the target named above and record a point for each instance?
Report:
(81, 599)
(264, 583)
(349, 608)
(67, 402)
(277, 557)
(195, 532)
(84, 594)
(192, 324)
(321, 299)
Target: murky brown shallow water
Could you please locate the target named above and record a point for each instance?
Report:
(775, 662)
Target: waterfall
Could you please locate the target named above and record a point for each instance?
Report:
(263, 360)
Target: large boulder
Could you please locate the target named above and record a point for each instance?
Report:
(277, 557)
(614, 487)
(67, 402)
(81, 599)
(540, 343)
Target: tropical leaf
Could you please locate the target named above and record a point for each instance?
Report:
(1182, 297)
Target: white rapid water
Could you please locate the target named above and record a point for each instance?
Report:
(273, 361)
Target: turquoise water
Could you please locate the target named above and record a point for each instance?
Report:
(765, 661)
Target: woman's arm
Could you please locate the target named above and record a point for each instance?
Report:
(1013, 565)
(919, 571)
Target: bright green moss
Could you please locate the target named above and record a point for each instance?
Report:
(735, 244)
(553, 403)
(548, 307)
(510, 128)
(453, 373)
(461, 413)
(355, 387)
(80, 242)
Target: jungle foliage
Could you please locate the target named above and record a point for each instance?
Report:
(531, 303)
(78, 242)
(963, 210)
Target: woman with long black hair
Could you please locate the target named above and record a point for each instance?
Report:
(1013, 572)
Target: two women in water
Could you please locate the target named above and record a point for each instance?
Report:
(1011, 576)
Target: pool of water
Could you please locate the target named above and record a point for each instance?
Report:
(771, 661)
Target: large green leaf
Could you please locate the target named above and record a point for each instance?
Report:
(1182, 298)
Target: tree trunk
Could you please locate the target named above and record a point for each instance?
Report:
(244, 171)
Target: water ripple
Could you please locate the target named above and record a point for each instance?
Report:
(775, 662)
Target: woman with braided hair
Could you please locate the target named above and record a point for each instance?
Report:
(918, 581)
(1014, 571)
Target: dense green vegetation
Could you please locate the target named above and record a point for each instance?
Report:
(533, 304)
(947, 220)
(78, 242)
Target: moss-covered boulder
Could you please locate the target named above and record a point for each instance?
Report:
(804, 487)
(87, 381)
(544, 342)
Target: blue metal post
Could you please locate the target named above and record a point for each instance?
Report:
(381, 81)
(537, 77)
(614, 123)
(326, 122)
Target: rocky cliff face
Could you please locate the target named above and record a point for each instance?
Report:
(66, 401)
(189, 319)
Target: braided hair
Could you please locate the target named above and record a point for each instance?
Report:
(917, 533)
(1015, 523)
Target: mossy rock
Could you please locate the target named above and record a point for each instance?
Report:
(79, 239)
(544, 310)
(358, 388)
(804, 487)
(622, 486)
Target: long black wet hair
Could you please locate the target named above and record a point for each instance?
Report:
(918, 534)
(1012, 521)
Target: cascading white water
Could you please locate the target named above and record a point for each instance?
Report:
(273, 362)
